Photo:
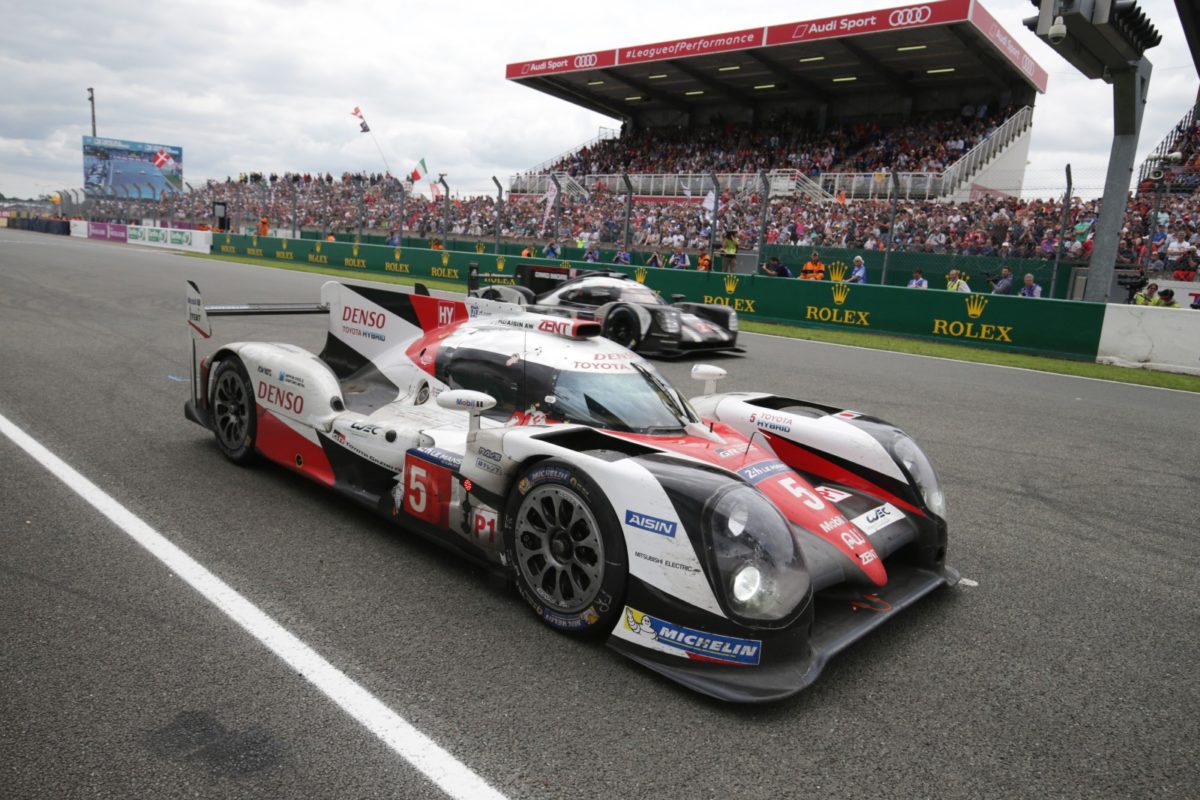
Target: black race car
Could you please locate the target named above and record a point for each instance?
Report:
(630, 313)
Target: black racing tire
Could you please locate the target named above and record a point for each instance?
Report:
(621, 324)
(566, 549)
(234, 412)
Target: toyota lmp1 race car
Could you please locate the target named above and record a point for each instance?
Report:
(732, 543)
(629, 313)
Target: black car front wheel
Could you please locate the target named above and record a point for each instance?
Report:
(622, 326)
(566, 549)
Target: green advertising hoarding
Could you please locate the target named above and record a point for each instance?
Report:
(1043, 326)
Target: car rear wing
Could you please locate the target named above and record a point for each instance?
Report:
(200, 328)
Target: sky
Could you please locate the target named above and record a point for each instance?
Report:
(268, 85)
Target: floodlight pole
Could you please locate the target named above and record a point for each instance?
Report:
(628, 207)
(92, 102)
(445, 205)
(764, 202)
(557, 205)
(1129, 101)
(712, 229)
(499, 214)
(1062, 232)
(400, 227)
(295, 222)
(887, 252)
(1158, 193)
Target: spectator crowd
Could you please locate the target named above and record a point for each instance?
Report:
(1157, 232)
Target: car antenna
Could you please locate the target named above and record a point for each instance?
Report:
(750, 441)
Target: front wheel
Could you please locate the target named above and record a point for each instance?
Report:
(566, 549)
(622, 326)
(234, 414)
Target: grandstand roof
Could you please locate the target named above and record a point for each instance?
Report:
(908, 50)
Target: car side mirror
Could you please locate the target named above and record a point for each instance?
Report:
(474, 403)
(710, 374)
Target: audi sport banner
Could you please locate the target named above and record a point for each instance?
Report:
(986, 24)
(888, 19)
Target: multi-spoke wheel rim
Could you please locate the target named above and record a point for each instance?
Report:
(559, 549)
(231, 409)
(621, 330)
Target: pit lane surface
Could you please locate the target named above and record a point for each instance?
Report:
(1067, 672)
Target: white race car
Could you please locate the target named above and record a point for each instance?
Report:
(732, 543)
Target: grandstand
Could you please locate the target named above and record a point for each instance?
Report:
(826, 107)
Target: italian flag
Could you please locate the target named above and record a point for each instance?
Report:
(419, 171)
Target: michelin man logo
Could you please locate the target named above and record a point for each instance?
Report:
(639, 622)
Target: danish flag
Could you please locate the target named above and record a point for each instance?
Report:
(161, 159)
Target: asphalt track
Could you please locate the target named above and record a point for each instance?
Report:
(1068, 671)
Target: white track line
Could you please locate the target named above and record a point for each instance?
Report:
(451, 775)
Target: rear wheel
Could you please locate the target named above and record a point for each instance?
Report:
(622, 326)
(565, 546)
(234, 416)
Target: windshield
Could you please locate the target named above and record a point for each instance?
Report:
(637, 293)
(638, 402)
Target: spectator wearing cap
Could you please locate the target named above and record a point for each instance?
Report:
(859, 273)
(679, 260)
(918, 281)
(1165, 299)
(622, 256)
(1030, 289)
(814, 268)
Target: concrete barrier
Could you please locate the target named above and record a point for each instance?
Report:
(170, 238)
(1166, 339)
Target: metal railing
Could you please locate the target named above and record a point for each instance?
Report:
(1157, 157)
(550, 163)
(825, 187)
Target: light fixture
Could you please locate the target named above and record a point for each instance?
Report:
(656, 77)
(595, 83)
(845, 79)
(634, 98)
(762, 86)
(811, 59)
(694, 92)
(728, 69)
(911, 47)
(939, 70)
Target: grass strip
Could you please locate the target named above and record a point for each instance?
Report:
(874, 341)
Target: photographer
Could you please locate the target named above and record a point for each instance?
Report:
(729, 249)
(1003, 284)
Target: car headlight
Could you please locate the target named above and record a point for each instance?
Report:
(918, 465)
(669, 320)
(733, 322)
(758, 564)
